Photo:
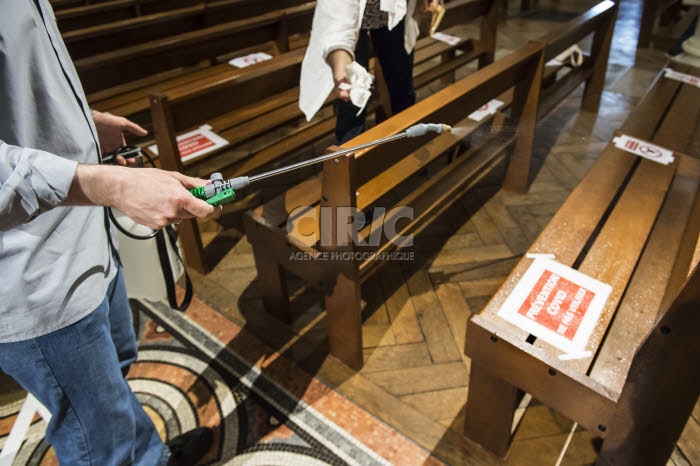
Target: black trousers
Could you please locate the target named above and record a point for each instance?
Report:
(397, 66)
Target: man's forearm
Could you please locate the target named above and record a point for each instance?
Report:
(149, 196)
(95, 185)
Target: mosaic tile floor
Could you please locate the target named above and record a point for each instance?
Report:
(200, 369)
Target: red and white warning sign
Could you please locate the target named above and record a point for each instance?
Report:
(557, 304)
(644, 149)
(682, 77)
(196, 143)
(487, 110)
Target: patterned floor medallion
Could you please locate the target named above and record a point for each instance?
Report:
(186, 377)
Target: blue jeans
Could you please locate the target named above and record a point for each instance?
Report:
(78, 374)
(397, 66)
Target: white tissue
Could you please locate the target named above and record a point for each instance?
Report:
(573, 54)
(359, 84)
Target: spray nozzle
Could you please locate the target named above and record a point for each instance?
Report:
(220, 192)
(422, 128)
(218, 184)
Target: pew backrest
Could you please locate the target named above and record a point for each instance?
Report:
(105, 37)
(191, 49)
(234, 98)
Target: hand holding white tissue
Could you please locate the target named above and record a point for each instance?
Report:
(359, 83)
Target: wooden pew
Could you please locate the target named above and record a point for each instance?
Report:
(370, 176)
(598, 21)
(83, 16)
(61, 4)
(631, 223)
(268, 222)
(110, 36)
(151, 61)
(561, 79)
(132, 100)
(256, 102)
(235, 83)
(661, 387)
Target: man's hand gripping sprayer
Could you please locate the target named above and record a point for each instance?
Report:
(220, 192)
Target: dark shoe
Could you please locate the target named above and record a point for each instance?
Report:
(188, 448)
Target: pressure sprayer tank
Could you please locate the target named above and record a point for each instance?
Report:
(142, 269)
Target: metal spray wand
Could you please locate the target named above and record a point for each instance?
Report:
(220, 192)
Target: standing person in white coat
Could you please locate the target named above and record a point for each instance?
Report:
(341, 32)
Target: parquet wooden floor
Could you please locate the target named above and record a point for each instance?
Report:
(415, 377)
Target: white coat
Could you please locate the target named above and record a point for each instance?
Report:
(336, 25)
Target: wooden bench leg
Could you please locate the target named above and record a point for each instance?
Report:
(191, 242)
(384, 109)
(646, 26)
(596, 82)
(343, 306)
(273, 283)
(446, 57)
(524, 110)
(487, 35)
(342, 282)
(491, 404)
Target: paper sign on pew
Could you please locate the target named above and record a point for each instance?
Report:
(643, 149)
(242, 62)
(196, 143)
(448, 39)
(556, 304)
(682, 77)
(487, 110)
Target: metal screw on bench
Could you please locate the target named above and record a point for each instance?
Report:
(220, 192)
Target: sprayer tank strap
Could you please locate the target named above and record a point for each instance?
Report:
(167, 269)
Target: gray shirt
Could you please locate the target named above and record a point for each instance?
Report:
(55, 261)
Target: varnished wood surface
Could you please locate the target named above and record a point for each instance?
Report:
(663, 371)
(115, 67)
(461, 260)
(521, 71)
(248, 104)
(73, 14)
(129, 99)
(611, 255)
